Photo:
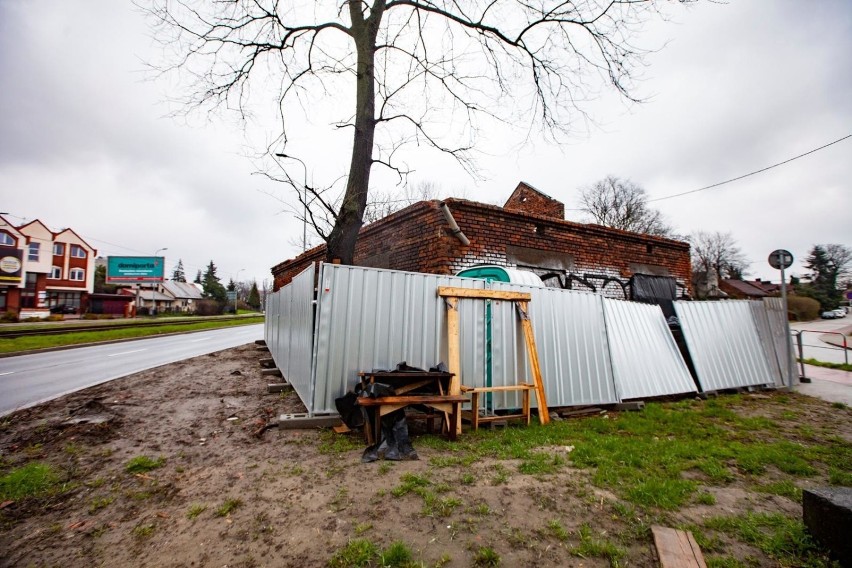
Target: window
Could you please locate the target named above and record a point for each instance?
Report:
(78, 252)
(34, 247)
(6, 239)
(77, 274)
(58, 249)
(55, 273)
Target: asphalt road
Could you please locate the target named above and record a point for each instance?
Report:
(27, 380)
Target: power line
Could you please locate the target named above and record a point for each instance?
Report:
(752, 173)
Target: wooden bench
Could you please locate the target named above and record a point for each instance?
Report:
(447, 403)
(474, 392)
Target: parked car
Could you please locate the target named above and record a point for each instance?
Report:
(841, 312)
(829, 315)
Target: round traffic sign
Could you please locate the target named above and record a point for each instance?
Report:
(780, 258)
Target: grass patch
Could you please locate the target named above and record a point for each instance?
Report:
(356, 554)
(784, 488)
(195, 510)
(556, 530)
(32, 480)
(144, 531)
(397, 555)
(100, 503)
(486, 556)
(228, 507)
(410, 483)
(123, 330)
(143, 464)
(361, 553)
(839, 366)
(777, 535)
(592, 547)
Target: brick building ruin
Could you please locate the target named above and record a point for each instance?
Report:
(528, 232)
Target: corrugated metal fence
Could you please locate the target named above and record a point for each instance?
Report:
(592, 350)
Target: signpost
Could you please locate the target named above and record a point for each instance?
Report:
(781, 259)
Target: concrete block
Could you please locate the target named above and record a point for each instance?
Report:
(278, 387)
(827, 513)
(270, 373)
(305, 421)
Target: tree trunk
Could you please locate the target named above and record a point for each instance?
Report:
(344, 234)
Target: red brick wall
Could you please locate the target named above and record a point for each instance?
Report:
(526, 199)
(418, 239)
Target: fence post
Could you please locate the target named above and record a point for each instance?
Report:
(800, 343)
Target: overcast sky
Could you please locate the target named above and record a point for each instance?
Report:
(85, 142)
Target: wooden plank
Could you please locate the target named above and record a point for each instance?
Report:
(677, 549)
(411, 399)
(453, 292)
(507, 388)
(454, 356)
(532, 352)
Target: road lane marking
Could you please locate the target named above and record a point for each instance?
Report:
(6, 373)
(201, 339)
(126, 352)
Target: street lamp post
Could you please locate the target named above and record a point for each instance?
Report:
(304, 200)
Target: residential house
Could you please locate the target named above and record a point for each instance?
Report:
(185, 295)
(529, 232)
(56, 272)
(742, 290)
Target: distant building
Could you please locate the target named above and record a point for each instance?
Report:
(43, 271)
(740, 289)
(528, 232)
(184, 295)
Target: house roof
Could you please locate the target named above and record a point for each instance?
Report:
(742, 287)
(182, 289)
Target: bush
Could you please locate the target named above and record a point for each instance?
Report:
(801, 308)
(90, 316)
(209, 308)
(9, 317)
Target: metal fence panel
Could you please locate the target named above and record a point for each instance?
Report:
(645, 359)
(781, 339)
(289, 330)
(767, 343)
(374, 319)
(723, 343)
(570, 336)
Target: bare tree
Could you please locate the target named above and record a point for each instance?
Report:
(424, 72)
(384, 203)
(621, 204)
(719, 252)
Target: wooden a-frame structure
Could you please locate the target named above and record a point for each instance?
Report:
(521, 300)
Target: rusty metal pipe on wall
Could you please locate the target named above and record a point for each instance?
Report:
(454, 228)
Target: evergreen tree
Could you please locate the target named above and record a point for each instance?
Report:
(101, 287)
(254, 296)
(198, 279)
(178, 275)
(232, 285)
(827, 263)
(212, 287)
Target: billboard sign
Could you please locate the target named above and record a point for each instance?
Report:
(11, 265)
(134, 269)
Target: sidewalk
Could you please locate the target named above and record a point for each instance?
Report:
(832, 385)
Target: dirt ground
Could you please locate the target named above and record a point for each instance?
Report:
(295, 496)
